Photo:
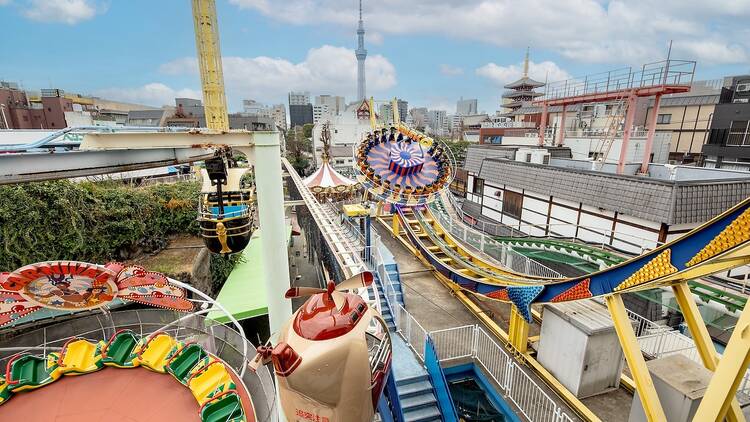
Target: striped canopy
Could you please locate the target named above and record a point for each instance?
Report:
(327, 178)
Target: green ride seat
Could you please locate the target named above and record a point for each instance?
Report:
(226, 407)
(29, 372)
(183, 362)
(121, 350)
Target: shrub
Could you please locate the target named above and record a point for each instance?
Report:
(96, 222)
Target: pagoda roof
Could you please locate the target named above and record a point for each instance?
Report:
(517, 94)
(524, 81)
(327, 177)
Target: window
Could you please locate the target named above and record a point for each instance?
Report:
(528, 157)
(664, 119)
(738, 133)
(478, 186)
(512, 204)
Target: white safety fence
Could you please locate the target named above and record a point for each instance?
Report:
(501, 253)
(472, 342)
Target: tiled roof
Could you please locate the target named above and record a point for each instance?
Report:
(653, 200)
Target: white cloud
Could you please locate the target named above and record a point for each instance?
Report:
(502, 75)
(716, 51)
(4, 2)
(616, 31)
(326, 69)
(153, 94)
(70, 12)
(449, 70)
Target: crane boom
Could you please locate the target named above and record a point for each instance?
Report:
(209, 63)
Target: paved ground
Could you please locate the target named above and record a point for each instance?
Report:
(433, 305)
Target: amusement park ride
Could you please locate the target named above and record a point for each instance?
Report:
(332, 357)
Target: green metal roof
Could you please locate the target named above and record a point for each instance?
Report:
(244, 293)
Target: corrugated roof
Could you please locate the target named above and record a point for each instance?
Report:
(670, 202)
(146, 114)
(685, 101)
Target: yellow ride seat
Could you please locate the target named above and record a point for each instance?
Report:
(209, 381)
(80, 356)
(156, 351)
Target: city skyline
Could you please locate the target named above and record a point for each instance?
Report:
(271, 50)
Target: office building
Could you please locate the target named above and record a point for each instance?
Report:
(728, 145)
(336, 104)
(300, 114)
(299, 98)
(466, 107)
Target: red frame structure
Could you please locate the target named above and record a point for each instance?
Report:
(652, 80)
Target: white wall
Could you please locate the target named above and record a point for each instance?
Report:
(631, 234)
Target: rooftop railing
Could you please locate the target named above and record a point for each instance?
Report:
(666, 72)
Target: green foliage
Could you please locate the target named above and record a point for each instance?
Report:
(221, 267)
(90, 221)
(458, 148)
(299, 148)
(307, 130)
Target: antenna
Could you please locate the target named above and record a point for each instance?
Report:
(526, 64)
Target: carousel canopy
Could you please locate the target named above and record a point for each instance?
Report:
(326, 177)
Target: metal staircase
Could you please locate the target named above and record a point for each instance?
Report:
(615, 118)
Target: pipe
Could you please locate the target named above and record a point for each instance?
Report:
(51, 137)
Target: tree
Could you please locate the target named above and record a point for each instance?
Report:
(298, 147)
(307, 130)
(458, 149)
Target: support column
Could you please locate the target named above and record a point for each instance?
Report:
(268, 184)
(729, 373)
(650, 135)
(561, 138)
(395, 227)
(518, 331)
(627, 129)
(543, 124)
(702, 339)
(643, 382)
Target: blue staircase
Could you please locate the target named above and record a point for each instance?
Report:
(416, 396)
(415, 393)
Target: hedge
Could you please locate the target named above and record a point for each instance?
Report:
(91, 221)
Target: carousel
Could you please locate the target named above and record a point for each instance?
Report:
(326, 183)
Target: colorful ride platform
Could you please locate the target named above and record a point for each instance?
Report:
(120, 392)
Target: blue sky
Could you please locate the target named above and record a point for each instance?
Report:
(427, 52)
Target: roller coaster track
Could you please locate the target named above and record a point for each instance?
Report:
(718, 245)
(347, 254)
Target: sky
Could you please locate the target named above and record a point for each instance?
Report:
(427, 52)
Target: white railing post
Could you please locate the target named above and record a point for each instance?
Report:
(474, 341)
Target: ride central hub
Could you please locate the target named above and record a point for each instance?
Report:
(406, 158)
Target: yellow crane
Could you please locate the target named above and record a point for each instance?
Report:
(209, 63)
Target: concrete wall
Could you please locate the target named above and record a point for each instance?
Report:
(687, 127)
